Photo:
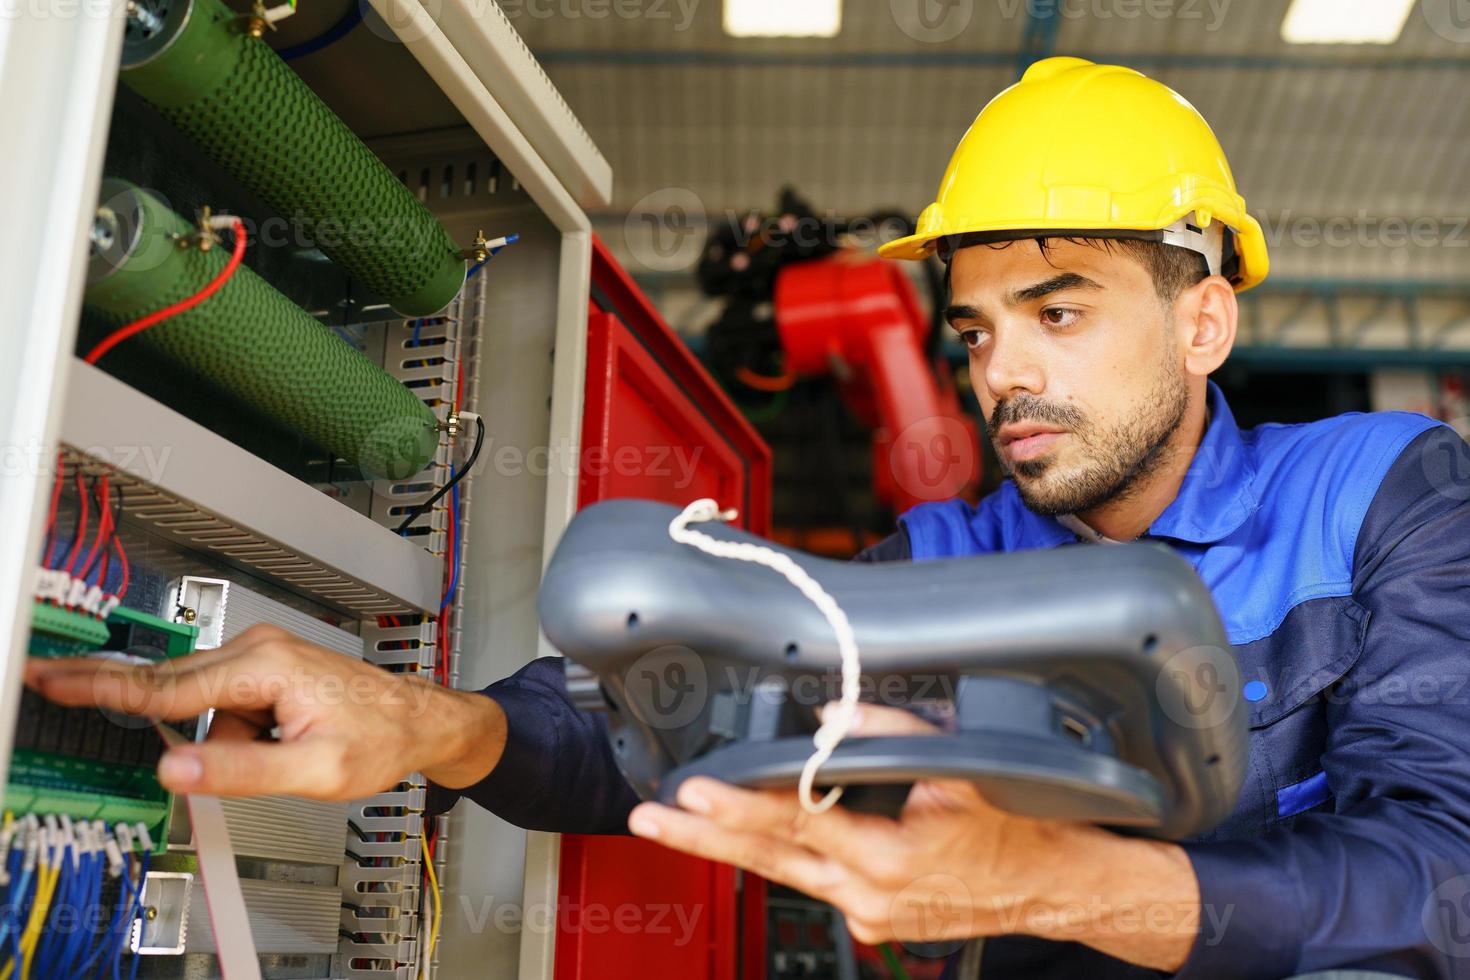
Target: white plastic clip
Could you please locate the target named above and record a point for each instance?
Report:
(69, 841)
(33, 843)
(114, 857)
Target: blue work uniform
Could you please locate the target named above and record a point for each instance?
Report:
(1338, 554)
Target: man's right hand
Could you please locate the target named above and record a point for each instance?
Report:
(346, 729)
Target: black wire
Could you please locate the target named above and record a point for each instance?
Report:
(469, 464)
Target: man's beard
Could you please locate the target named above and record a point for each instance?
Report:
(1116, 461)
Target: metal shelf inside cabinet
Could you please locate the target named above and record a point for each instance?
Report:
(188, 484)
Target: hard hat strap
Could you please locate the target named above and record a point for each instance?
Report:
(1209, 242)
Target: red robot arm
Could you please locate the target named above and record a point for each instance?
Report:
(859, 320)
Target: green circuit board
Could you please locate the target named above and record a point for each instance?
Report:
(82, 762)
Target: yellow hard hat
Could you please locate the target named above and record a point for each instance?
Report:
(1096, 151)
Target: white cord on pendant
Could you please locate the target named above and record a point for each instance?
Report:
(836, 721)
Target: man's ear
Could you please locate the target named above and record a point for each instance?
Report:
(1206, 315)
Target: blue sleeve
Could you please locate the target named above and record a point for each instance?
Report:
(557, 771)
(895, 547)
(1381, 880)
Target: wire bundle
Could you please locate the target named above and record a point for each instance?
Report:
(77, 576)
(59, 916)
(450, 494)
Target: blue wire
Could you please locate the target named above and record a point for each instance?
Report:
(92, 946)
(142, 878)
(417, 324)
(57, 950)
(60, 898)
(124, 910)
(509, 240)
(75, 895)
(23, 965)
(64, 950)
(101, 944)
(454, 533)
(7, 911)
(20, 896)
(19, 892)
(330, 36)
(91, 898)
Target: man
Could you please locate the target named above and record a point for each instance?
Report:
(1095, 242)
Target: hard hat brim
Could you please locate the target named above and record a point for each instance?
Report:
(909, 247)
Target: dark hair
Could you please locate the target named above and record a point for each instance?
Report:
(1172, 267)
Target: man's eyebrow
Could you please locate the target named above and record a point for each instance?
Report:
(1057, 283)
(960, 312)
(1064, 280)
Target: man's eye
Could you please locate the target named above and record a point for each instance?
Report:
(1059, 316)
(973, 339)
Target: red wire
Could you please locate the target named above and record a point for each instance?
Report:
(55, 503)
(76, 545)
(173, 309)
(112, 530)
(765, 382)
(104, 521)
(106, 568)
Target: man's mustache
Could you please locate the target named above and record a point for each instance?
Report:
(1027, 408)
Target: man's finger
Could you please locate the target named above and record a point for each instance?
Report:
(772, 859)
(234, 768)
(172, 690)
(39, 669)
(230, 726)
(836, 833)
(873, 720)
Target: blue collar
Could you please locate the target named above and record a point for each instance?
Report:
(1217, 494)
(1215, 498)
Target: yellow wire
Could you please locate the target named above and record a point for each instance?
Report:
(40, 923)
(438, 904)
(45, 888)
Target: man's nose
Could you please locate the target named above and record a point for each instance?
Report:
(1013, 365)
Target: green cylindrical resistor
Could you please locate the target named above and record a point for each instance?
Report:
(250, 339)
(234, 97)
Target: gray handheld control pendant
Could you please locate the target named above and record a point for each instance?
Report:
(1089, 683)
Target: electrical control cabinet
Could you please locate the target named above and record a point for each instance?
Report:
(274, 452)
